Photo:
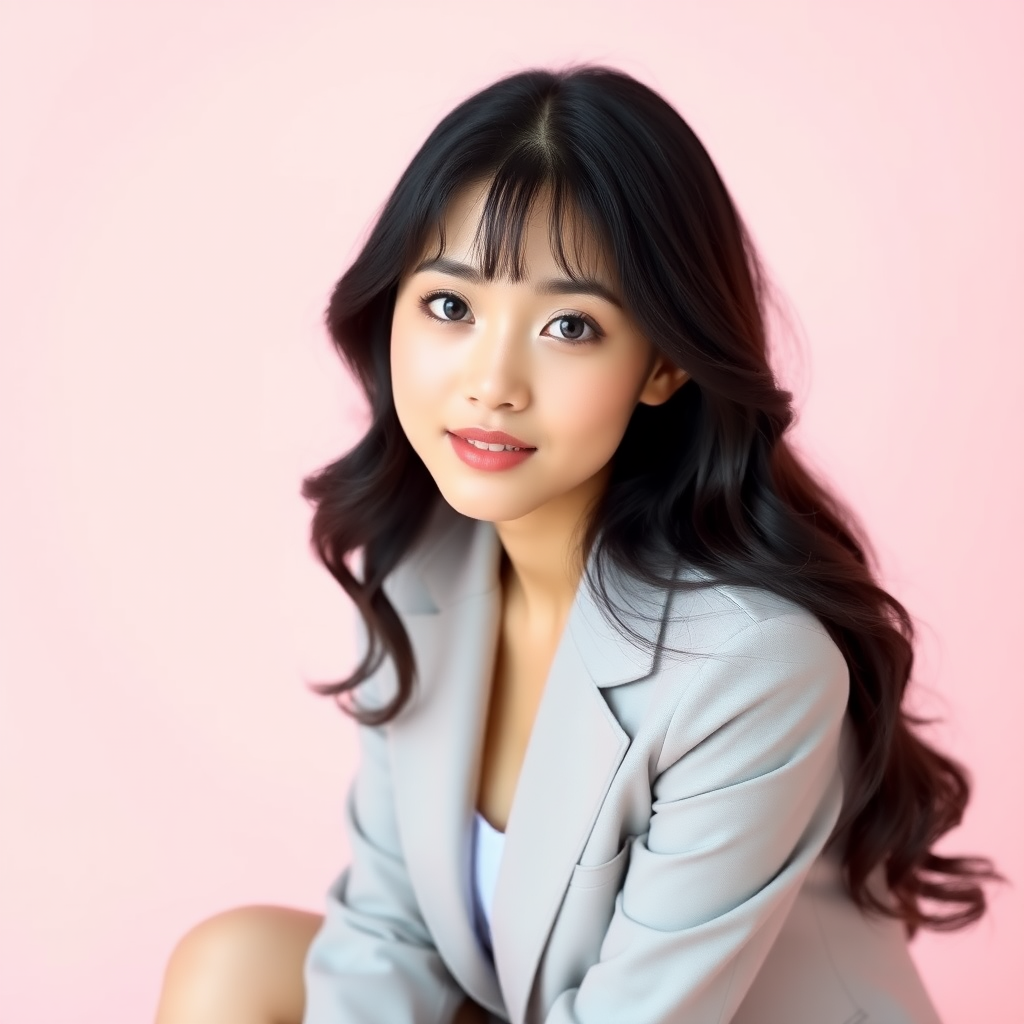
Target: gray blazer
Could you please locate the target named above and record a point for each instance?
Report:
(663, 859)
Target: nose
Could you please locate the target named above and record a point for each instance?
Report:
(496, 372)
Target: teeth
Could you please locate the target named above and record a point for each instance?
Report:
(493, 447)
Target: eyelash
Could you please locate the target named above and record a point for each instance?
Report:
(425, 301)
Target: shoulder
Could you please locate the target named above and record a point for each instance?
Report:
(754, 661)
(445, 537)
(726, 618)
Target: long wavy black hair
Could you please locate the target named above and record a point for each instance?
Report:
(708, 474)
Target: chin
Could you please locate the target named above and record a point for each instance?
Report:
(482, 507)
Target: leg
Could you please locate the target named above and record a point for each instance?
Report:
(242, 966)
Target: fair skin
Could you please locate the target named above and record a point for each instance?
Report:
(507, 361)
(244, 966)
(506, 358)
(560, 366)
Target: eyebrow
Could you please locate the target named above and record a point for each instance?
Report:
(552, 286)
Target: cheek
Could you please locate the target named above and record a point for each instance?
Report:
(412, 370)
(593, 408)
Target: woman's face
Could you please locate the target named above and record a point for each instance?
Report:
(559, 368)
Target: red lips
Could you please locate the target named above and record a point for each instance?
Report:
(489, 436)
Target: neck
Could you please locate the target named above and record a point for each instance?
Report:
(540, 574)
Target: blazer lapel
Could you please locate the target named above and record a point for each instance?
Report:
(451, 611)
(449, 602)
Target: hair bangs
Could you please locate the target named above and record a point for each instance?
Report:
(513, 189)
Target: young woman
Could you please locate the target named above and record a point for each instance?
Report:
(630, 699)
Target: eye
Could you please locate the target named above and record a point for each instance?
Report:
(450, 308)
(577, 324)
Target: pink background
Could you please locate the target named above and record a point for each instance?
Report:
(180, 185)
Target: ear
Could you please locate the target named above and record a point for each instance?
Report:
(662, 382)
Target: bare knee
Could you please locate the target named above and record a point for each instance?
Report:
(241, 966)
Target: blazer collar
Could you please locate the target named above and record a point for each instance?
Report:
(460, 558)
(450, 603)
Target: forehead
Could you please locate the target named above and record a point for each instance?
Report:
(517, 242)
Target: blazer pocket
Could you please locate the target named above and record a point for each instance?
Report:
(587, 908)
(594, 876)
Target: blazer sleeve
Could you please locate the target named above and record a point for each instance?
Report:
(373, 961)
(748, 790)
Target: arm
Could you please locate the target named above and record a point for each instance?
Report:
(373, 960)
(748, 790)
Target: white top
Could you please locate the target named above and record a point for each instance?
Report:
(488, 843)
